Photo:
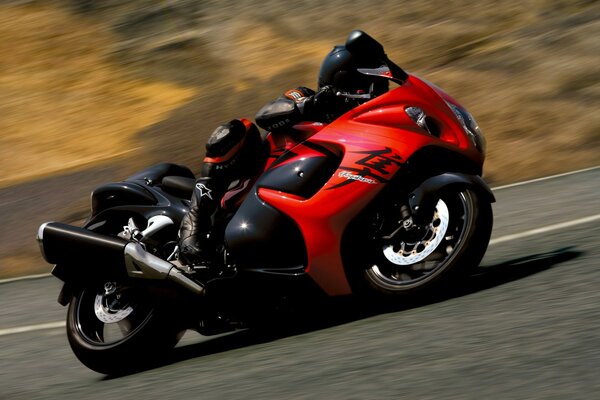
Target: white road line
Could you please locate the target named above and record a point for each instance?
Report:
(23, 278)
(545, 229)
(545, 178)
(31, 328)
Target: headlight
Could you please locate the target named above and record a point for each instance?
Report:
(469, 125)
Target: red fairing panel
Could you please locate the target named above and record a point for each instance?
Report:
(323, 218)
(384, 118)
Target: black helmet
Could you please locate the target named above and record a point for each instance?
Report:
(339, 68)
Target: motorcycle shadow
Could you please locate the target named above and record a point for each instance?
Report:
(336, 312)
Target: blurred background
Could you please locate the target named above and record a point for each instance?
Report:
(92, 90)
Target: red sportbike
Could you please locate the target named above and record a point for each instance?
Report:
(385, 201)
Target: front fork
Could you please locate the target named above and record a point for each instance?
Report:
(421, 202)
(405, 223)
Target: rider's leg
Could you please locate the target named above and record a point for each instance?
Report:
(227, 153)
(195, 246)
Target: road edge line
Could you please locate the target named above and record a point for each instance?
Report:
(545, 178)
(25, 278)
(544, 229)
(32, 328)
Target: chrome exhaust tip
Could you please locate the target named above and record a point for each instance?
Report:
(141, 264)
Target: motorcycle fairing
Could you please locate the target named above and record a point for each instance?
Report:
(375, 140)
(141, 194)
(120, 193)
(156, 172)
(262, 238)
(302, 171)
(323, 217)
(388, 111)
(319, 186)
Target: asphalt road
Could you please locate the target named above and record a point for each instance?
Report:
(527, 326)
(24, 207)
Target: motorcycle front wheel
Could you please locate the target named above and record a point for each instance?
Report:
(408, 260)
(113, 328)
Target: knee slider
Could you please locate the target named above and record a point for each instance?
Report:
(232, 149)
(223, 142)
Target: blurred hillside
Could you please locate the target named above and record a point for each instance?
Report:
(92, 84)
(85, 81)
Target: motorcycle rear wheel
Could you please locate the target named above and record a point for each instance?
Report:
(113, 328)
(454, 239)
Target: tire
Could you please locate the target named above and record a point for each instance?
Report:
(113, 329)
(410, 262)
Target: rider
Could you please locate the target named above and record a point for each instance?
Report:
(233, 151)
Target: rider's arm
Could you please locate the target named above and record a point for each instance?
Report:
(286, 110)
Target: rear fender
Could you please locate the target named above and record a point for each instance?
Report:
(118, 194)
(156, 173)
(113, 204)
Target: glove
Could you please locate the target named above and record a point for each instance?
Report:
(325, 97)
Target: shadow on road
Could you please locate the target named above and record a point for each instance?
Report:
(341, 311)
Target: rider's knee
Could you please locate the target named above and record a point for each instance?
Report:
(231, 149)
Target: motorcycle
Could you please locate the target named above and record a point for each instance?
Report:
(385, 201)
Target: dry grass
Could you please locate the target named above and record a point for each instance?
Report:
(81, 88)
(64, 105)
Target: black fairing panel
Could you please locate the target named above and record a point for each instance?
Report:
(302, 176)
(261, 237)
(143, 193)
(157, 172)
(179, 186)
(121, 193)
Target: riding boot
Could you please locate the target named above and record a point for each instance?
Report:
(196, 246)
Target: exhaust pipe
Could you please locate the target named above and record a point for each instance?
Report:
(141, 264)
(71, 246)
